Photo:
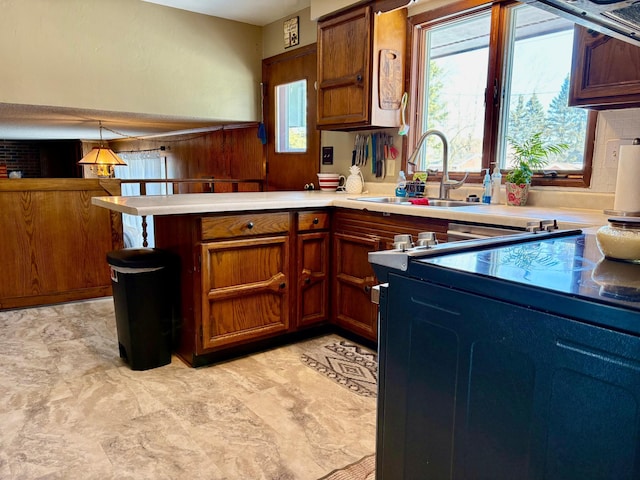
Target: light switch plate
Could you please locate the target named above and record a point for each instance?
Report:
(327, 155)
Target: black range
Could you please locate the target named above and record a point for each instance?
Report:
(509, 359)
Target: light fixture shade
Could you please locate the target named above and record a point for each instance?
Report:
(101, 156)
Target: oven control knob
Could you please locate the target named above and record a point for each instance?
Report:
(402, 242)
(533, 227)
(549, 225)
(427, 239)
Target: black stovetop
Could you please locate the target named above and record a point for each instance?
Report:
(570, 265)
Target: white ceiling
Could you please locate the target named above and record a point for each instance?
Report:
(29, 122)
(254, 12)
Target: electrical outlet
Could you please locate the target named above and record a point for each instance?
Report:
(327, 155)
(612, 150)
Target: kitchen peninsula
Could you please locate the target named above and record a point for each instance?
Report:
(259, 266)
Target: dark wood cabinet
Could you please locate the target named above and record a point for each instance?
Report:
(354, 279)
(313, 268)
(235, 279)
(361, 69)
(356, 233)
(605, 72)
(245, 290)
(247, 278)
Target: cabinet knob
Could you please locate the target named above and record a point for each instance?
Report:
(358, 78)
(367, 288)
(283, 285)
(307, 281)
(250, 225)
(316, 220)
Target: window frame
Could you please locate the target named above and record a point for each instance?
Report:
(495, 77)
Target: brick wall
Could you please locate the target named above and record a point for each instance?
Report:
(21, 155)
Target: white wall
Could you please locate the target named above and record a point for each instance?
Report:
(613, 125)
(128, 56)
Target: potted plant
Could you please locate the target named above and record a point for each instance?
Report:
(529, 155)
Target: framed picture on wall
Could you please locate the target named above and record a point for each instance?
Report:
(291, 33)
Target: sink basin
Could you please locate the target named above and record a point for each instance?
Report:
(396, 200)
(433, 202)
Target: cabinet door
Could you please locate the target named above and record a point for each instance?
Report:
(353, 309)
(245, 290)
(605, 72)
(344, 53)
(313, 278)
(361, 69)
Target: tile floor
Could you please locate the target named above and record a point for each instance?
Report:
(71, 409)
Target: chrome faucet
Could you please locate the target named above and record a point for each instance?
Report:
(446, 184)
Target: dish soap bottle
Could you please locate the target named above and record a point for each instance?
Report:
(401, 185)
(496, 181)
(486, 185)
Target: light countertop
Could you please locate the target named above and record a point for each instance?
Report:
(236, 202)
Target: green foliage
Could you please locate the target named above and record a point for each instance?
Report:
(567, 124)
(436, 108)
(561, 124)
(530, 155)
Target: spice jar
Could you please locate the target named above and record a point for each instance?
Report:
(620, 240)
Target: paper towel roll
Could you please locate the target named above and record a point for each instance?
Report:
(627, 198)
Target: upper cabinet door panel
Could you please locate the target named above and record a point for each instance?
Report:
(361, 69)
(605, 71)
(344, 53)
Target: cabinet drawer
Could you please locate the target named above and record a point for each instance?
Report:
(239, 225)
(313, 221)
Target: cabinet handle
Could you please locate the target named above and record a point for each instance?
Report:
(283, 285)
(250, 225)
(316, 220)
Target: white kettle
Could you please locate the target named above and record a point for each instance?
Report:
(355, 181)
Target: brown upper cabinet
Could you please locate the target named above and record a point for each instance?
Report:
(605, 72)
(361, 58)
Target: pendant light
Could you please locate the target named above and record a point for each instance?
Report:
(101, 160)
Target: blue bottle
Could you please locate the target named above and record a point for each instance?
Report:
(486, 185)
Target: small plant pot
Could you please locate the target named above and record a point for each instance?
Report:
(517, 193)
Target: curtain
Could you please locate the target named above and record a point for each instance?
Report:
(140, 165)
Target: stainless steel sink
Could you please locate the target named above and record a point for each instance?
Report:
(396, 200)
(433, 202)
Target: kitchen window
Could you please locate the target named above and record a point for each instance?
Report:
(291, 117)
(496, 72)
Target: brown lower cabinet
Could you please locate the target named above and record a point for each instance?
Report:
(355, 234)
(313, 268)
(247, 277)
(245, 290)
(253, 277)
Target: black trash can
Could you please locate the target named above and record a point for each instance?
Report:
(146, 293)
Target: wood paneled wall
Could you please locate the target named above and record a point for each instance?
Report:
(231, 152)
(55, 242)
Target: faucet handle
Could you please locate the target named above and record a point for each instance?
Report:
(454, 184)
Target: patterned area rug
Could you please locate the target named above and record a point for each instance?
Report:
(364, 469)
(347, 364)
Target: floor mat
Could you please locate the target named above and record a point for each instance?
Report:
(347, 364)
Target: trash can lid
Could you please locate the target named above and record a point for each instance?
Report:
(140, 258)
